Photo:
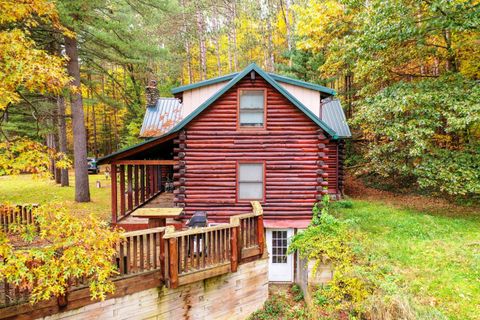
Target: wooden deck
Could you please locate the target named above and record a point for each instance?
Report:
(163, 200)
(157, 257)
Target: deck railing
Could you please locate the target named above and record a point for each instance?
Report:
(251, 234)
(177, 257)
(18, 214)
(141, 251)
(135, 182)
(200, 253)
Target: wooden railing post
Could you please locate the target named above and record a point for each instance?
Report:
(162, 255)
(260, 234)
(173, 262)
(113, 175)
(129, 187)
(135, 185)
(122, 190)
(234, 248)
(142, 183)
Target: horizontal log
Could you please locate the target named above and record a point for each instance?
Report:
(145, 162)
(223, 163)
(224, 148)
(211, 184)
(250, 156)
(200, 134)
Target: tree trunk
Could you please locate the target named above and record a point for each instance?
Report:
(286, 16)
(51, 145)
(58, 171)
(216, 41)
(203, 46)
(62, 137)
(234, 35)
(82, 191)
(94, 120)
(451, 59)
(230, 62)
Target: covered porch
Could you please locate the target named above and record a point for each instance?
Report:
(142, 177)
(140, 184)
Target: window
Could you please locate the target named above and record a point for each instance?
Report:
(251, 108)
(250, 181)
(279, 246)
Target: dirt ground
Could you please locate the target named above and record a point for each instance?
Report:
(356, 189)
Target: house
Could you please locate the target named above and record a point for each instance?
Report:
(221, 143)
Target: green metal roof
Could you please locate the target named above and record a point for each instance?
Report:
(235, 79)
(204, 83)
(273, 83)
(304, 84)
(276, 77)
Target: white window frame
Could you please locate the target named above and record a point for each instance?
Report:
(241, 180)
(254, 110)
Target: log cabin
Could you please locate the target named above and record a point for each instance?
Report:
(221, 143)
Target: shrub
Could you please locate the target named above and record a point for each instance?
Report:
(68, 249)
(358, 288)
(426, 131)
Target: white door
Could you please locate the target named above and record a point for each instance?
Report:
(280, 264)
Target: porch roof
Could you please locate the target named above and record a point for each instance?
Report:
(138, 148)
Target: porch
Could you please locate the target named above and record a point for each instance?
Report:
(142, 176)
(167, 260)
(140, 184)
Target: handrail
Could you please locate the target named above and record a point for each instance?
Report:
(199, 253)
(175, 234)
(144, 231)
(182, 257)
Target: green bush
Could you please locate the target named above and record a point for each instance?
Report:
(280, 306)
(359, 288)
(426, 131)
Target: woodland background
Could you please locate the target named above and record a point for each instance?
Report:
(407, 73)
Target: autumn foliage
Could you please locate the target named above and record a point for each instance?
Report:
(22, 64)
(28, 156)
(60, 250)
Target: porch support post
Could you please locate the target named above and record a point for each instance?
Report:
(122, 190)
(173, 262)
(129, 188)
(234, 248)
(113, 175)
(260, 234)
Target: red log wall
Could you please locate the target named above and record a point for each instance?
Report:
(212, 145)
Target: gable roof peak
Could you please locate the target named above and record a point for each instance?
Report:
(254, 67)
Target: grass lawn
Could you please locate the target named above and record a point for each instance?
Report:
(432, 247)
(26, 189)
(436, 257)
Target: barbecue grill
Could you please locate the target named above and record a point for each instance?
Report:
(198, 220)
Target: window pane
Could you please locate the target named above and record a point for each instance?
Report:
(251, 172)
(251, 118)
(251, 99)
(250, 190)
(279, 246)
